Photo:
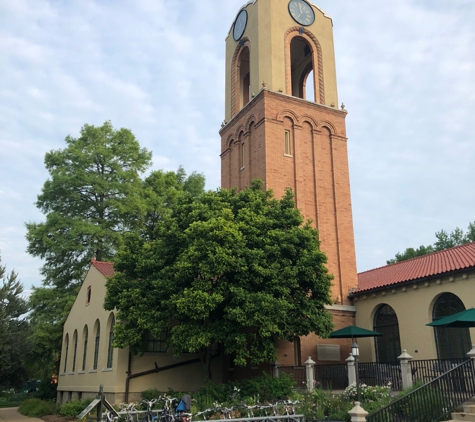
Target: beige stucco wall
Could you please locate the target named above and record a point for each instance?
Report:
(268, 21)
(78, 383)
(413, 304)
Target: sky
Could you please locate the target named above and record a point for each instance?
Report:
(405, 69)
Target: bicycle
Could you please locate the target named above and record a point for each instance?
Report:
(130, 411)
(149, 414)
(166, 414)
(111, 417)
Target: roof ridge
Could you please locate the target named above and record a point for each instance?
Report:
(421, 257)
(436, 263)
(104, 267)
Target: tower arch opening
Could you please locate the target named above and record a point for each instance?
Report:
(241, 69)
(301, 67)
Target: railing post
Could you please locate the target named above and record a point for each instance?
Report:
(406, 373)
(309, 364)
(100, 404)
(275, 371)
(350, 360)
(358, 414)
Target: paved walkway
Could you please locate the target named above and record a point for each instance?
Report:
(11, 414)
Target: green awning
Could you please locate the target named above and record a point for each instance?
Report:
(353, 331)
(459, 320)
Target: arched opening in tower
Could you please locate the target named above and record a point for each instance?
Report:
(302, 69)
(244, 77)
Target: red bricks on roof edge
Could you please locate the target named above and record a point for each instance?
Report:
(454, 259)
(105, 268)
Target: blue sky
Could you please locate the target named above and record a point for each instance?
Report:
(406, 73)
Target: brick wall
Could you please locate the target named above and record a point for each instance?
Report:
(317, 171)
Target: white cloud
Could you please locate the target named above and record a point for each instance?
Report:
(406, 73)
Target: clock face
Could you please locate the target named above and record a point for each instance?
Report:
(240, 25)
(302, 12)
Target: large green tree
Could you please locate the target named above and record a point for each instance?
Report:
(224, 271)
(14, 344)
(444, 241)
(90, 200)
(93, 196)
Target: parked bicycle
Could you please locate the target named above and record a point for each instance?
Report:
(149, 408)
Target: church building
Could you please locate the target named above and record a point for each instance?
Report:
(284, 126)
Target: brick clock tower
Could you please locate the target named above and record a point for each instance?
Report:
(283, 125)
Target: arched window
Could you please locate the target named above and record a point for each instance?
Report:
(241, 76)
(85, 335)
(301, 66)
(110, 349)
(75, 350)
(450, 342)
(96, 344)
(66, 351)
(388, 346)
(244, 77)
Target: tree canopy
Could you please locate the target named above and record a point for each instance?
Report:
(444, 241)
(93, 197)
(223, 271)
(13, 330)
(90, 200)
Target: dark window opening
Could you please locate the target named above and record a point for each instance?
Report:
(388, 346)
(451, 343)
(157, 345)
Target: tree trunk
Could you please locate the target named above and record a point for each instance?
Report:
(206, 362)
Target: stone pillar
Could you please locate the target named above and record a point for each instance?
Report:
(350, 361)
(309, 364)
(358, 414)
(275, 370)
(406, 373)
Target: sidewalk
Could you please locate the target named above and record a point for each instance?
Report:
(11, 414)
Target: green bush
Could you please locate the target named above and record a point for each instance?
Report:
(37, 408)
(151, 393)
(46, 390)
(73, 408)
(267, 388)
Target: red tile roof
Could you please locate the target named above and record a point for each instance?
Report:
(458, 258)
(105, 268)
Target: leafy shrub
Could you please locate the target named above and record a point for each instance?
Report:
(209, 394)
(46, 390)
(268, 388)
(37, 408)
(368, 394)
(151, 393)
(73, 408)
(261, 389)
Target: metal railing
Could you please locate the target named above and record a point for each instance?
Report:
(433, 401)
(381, 374)
(280, 418)
(331, 377)
(298, 373)
(427, 370)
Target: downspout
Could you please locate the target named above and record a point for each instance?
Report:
(151, 371)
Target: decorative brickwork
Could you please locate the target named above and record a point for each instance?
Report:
(317, 170)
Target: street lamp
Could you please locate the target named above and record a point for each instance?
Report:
(355, 351)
